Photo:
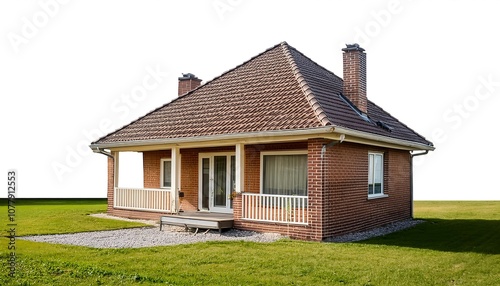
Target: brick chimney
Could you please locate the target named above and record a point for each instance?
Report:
(188, 82)
(355, 76)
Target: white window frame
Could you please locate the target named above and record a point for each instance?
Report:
(162, 179)
(381, 194)
(271, 153)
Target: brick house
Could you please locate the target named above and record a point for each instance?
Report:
(279, 143)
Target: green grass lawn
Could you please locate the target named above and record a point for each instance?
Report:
(459, 244)
(62, 216)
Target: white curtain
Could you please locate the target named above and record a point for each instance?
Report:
(285, 175)
(375, 173)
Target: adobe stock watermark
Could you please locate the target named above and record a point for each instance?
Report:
(379, 20)
(12, 186)
(222, 7)
(31, 26)
(455, 116)
(121, 106)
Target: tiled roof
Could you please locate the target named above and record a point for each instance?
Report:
(277, 90)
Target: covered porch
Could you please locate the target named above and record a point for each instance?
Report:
(268, 183)
(207, 179)
(179, 179)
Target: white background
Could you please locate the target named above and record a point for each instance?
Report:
(68, 69)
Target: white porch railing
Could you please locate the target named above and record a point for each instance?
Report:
(155, 200)
(274, 208)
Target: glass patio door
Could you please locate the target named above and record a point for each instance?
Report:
(217, 181)
(220, 191)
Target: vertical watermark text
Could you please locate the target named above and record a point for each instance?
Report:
(11, 224)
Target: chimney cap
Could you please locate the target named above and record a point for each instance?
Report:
(186, 76)
(352, 47)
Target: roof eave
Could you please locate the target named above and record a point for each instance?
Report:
(329, 132)
(223, 139)
(382, 141)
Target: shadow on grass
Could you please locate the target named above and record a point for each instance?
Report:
(451, 235)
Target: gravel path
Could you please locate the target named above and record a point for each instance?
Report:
(152, 236)
(148, 236)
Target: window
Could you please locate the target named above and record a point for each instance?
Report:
(284, 173)
(166, 173)
(375, 174)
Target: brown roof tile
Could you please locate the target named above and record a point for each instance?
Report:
(279, 89)
(327, 89)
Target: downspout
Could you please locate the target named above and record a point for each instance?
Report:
(411, 177)
(331, 144)
(100, 151)
(323, 150)
(108, 154)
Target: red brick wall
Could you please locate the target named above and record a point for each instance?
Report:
(315, 188)
(111, 183)
(187, 85)
(354, 86)
(348, 208)
(189, 179)
(151, 161)
(337, 186)
(338, 192)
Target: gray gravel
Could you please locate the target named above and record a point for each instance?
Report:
(152, 236)
(384, 230)
(148, 236)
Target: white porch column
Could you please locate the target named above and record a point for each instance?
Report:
(240, 167)
(174, 177)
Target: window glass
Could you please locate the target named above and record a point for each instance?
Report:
(370, 174)
(375, 174)
(167, 171)
(285, 174)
